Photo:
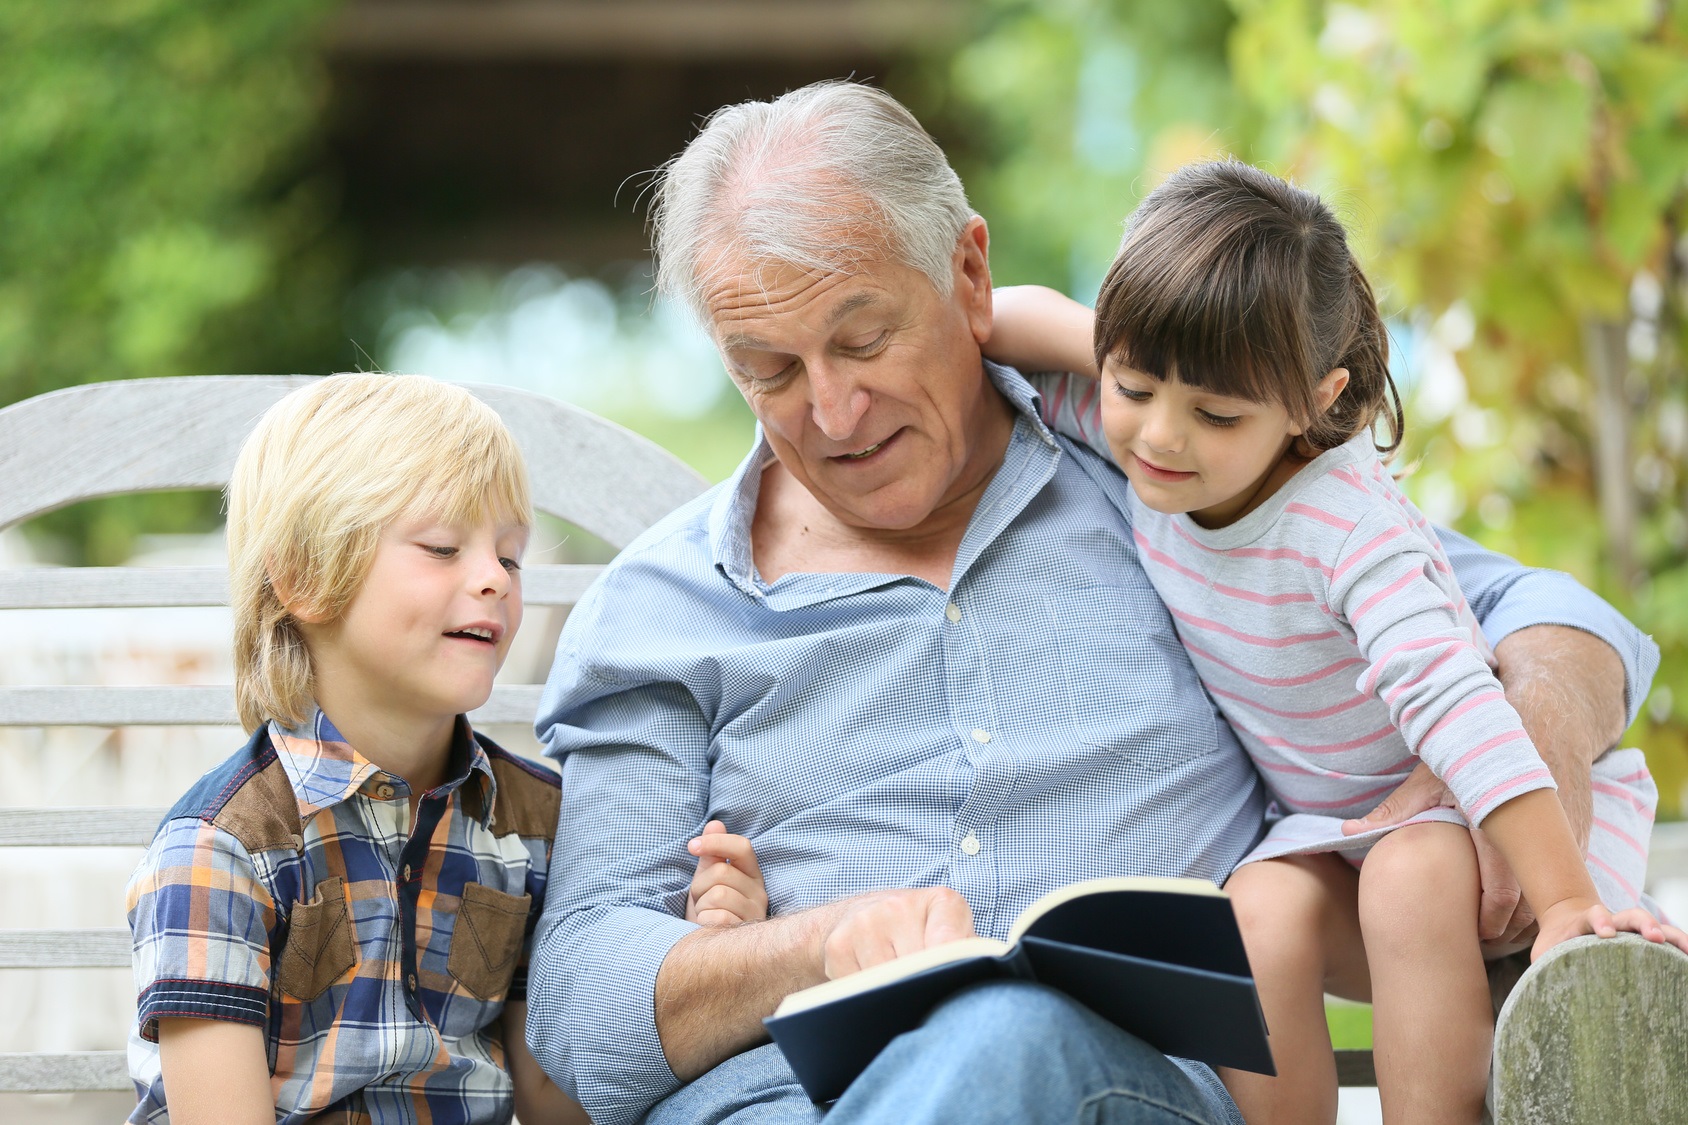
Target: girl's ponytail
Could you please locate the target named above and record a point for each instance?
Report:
(1371, 393)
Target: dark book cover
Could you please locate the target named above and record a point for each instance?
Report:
(1165, 965)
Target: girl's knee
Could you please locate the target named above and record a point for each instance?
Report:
(1281, 904)
(1417, 877)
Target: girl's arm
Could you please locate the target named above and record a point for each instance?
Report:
(1533, 834)
(1038, 329)
(1442, 696)
(215, 1072)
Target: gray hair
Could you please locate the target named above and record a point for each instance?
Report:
(822, 179)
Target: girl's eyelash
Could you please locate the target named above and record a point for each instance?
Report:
(1219, 419)
(1134, 396)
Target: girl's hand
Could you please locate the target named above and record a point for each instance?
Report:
(1571, 918)
(727, 888)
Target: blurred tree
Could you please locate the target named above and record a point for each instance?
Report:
(161, 213)
(1516, 176)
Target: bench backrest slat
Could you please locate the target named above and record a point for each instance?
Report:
(67, 1073)
(122, 827)
(106, 948)
(182, 706)
(123, 587)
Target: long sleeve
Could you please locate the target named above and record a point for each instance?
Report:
(1507, 596)
(1423, 662)
(635, 789)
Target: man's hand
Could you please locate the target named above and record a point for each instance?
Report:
(1422, 790)
(873, 928)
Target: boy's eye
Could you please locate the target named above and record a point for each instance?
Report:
(509, 564)
(1219, 419)
(440, 552)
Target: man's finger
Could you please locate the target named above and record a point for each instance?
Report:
(949, 918)
(1502, 915)
(1422, 790)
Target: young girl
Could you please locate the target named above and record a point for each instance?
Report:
(1243, 364)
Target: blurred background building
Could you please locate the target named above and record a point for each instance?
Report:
(455, 187)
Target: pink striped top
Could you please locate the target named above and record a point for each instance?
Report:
(1329, 630)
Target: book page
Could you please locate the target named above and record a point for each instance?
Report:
(1139, 883)
(888, 971)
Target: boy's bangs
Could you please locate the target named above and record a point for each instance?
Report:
(480, 475)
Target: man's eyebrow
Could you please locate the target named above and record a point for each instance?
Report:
(740, 340)
(853, 303)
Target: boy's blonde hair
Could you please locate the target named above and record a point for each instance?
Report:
(324, 473)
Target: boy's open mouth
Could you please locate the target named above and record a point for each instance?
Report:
(475, 633)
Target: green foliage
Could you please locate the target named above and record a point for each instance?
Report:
(160, 218)
(1517, 166)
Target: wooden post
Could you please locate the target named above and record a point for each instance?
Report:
(1595, 1032)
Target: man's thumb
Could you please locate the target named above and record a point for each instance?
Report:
(1385, 814)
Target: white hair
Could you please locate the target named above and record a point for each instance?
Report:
(823, 178)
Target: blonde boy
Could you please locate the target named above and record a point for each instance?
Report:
(334, 923)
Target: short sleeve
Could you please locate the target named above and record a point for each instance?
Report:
(200, 918)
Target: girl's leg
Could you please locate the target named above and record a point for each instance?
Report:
(1432, 1024)
(1298, 920)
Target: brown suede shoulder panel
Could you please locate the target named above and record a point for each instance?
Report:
(264, 812)
(529, 797)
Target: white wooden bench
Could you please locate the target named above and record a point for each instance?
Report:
(1595, 1032)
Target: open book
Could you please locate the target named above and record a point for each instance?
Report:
(1161, 958)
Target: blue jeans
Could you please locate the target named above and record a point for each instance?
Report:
(1006, 1053)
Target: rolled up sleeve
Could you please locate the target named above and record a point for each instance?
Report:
(635, 790)
(1507, 596)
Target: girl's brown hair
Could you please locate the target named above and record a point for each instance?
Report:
(1240, 284)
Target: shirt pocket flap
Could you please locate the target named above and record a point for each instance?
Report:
(321, 943)
(486, 941)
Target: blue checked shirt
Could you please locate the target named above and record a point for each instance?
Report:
(1035, 725)
(290, 890)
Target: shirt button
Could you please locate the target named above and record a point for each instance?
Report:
(385, 792)
(410, 982)
(970, 844)
(953, 612)
(981, 736)
(405, 874)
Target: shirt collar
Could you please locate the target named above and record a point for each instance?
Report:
(734, 509)
(325, 770)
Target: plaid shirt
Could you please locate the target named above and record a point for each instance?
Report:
(290, 890)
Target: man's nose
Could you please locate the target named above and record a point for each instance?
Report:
(837, 401)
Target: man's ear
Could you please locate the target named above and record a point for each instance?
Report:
(972, 268)
(1330, 388)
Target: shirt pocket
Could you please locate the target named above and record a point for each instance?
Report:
(1129, 685)
(321, 943)
(486, 941)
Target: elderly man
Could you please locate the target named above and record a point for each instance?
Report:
(907, 649)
